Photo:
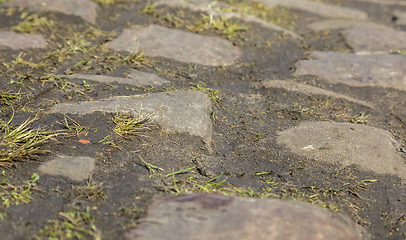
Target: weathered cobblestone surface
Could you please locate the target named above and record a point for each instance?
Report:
(200, 119)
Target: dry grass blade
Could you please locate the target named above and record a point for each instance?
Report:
(21, 141)
(129, 126)
(7, 98)
(74, 127)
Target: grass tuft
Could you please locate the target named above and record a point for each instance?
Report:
(149, 9)
(273, 14)
(21, 141)
(127, 126)
(106, 2)
(8, 98)
(201, 87)
(361, 119)
(73, 225)
(221, 25)
(33, 23)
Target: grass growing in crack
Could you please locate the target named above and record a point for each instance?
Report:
(273, 14)
(77, 42)
(33, 23)
(15, 194)
(129, 126)
(151, 168)
(192, 185)
(180, 171)
(19, 61)
(360, 186)
(21, 141)
(74, 224)
(273, 190)
(106, 2)
(138, 58)
(73, 127)
(72, 42)
(201, 87)
(149, 9)
(106, 141)
(91, 190)
(362, 119)
(221, 25)
(173, 20)
(59, 82)
(64, 51)
(8, 98)
(401, 52)
(86, 85)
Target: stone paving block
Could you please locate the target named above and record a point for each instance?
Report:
(344, 24)
(179, 112)
(385, 70)
(318, 8)
(369, 41)
(309, 90)
(200, 216)
(17, 41)
(136, 78)
(74, 168)
(176, 44)
(370, 148)
(386, 2)
(401, 15)
(85, 9)
(205, 6)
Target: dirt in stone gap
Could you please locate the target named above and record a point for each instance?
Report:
(245, 159)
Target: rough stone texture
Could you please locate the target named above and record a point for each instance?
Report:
(386, 2)
(18, 41)
(344, 24)
(137, 78)
(203, 6)
(319, 8)
(219, 217)
(176, 44)
(401, 17)
(310, 90)
(85, 9)
(74, 168)
(180, 112)
(367, 41)
(371, 148)
(386, 70)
